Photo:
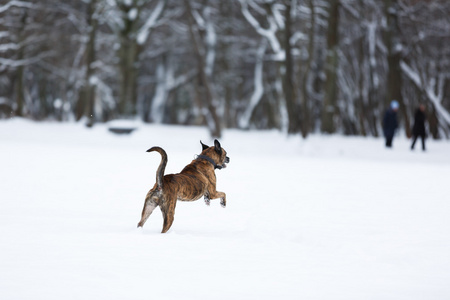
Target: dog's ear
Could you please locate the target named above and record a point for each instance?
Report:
(217, 147)
(204, 146)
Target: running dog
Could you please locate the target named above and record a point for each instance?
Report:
(197, 179)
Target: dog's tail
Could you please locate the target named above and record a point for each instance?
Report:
(162, 165)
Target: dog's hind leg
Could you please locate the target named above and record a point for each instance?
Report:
(168, 212)
(149, 205)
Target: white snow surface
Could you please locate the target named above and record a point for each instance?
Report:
(328, 217)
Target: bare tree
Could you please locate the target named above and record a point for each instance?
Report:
(330, 108)
(204, 49)
(132, 21)
(394, 56)
(299, 66)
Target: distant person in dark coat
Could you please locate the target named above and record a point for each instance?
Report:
(390, 123)
(418, 129)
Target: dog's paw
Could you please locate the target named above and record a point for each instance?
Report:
(223, 203)
(207, 201)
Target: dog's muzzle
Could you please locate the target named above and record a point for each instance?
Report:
(226, 161)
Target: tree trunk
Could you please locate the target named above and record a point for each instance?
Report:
(329, 108)
(360, 105)
(433, 122)
(20, 93)
(258, 89)
(128, 76)
(306, 118)
(288, 82)
(128, 60)
(373, 94)
(90, 59)
(204, 81)
(394, 76)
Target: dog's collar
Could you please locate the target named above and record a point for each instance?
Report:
(210, 160)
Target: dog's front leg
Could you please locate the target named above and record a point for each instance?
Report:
(222, 196)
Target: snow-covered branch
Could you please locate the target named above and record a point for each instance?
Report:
(4, 34)
(150, 23)
(9, 46)
(210, 40)
(269, 34)
(23, 62)
(10, 4)
(166, 82)
(429, 89)
(258, 91)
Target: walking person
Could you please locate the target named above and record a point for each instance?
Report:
(418, 129)
(390, 123)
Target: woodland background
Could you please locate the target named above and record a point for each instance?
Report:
(300, 66)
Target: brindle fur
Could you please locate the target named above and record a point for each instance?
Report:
(196, 180)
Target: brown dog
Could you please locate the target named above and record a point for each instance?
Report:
(197, 179)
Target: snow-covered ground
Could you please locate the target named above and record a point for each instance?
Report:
(323, 218)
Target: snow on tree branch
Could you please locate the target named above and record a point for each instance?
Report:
(269, 34)
(15, 3)
(258, 87)
(150, 23)
(23, 62)
(7, 47)
(429, 90)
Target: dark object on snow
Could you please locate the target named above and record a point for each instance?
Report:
(418, 129)
(121, 130)
(390, 123)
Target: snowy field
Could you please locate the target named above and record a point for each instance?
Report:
(326, 218)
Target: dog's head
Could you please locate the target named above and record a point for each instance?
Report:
(217, 153)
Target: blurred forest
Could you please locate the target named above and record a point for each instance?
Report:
(301, 66)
